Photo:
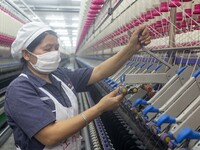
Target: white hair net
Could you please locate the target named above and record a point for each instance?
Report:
(27, 34)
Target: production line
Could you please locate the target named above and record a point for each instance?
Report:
(9, 70)
(161, 82)
(164, 114)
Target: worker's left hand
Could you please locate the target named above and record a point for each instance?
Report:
(138, 37)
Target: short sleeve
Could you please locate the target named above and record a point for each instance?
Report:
(26, 109)
(79, 78)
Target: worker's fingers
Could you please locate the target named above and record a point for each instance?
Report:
(147, 40)
(140, 30)
(144, 37)
(145, 31)
(147, 43)
(120, 97)
(114, 93)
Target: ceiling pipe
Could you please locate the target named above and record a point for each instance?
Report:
(18, 9)
(30, 10)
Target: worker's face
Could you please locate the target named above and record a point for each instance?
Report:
(48, 44)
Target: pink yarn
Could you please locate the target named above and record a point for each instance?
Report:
(95, 7)
(98, 2)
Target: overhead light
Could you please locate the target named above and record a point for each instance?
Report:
(59, 18)
(35, 18)
(64, 38)
(62, 25)
(61, 31)
(68, 44)
(56, 24)
(74, 25)
(75, 19)
(75, 33)
(65, 41)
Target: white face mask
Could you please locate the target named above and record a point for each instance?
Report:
(47, 62)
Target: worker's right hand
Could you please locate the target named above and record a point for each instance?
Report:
(110, 101)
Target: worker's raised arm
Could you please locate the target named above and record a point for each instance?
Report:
(111, 65)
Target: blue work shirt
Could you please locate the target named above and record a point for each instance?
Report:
(27, 110)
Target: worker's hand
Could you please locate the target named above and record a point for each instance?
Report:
(110, 101)
(138, 37)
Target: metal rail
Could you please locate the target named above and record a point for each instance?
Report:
(85, 132)
(14, 6)
(158, 58)
(175, 49)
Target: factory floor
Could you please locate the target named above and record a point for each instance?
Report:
(9, 144)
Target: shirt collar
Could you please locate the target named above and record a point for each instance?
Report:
(54, 81)
(35, 79)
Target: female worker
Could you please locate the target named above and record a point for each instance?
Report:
(41, 104)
